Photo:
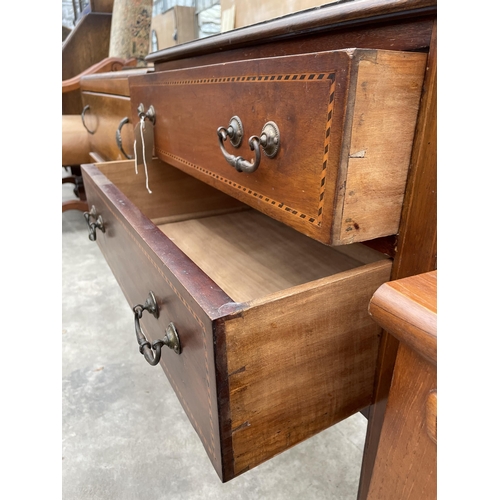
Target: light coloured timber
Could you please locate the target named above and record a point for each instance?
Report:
(250, 255)
(384, 111)
(301, 362)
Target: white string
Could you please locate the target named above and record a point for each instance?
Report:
(135, 154)
(144, 155)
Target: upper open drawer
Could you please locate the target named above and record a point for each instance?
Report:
(334, 133)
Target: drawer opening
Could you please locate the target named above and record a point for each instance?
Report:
(246, 253)
(250, 255)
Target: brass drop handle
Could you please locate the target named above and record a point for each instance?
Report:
(269, 140)
(85, 109)
(152, 352)
(119, 141)
(98, 224)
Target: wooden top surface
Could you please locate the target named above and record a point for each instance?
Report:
(407, 308)
(337, 15)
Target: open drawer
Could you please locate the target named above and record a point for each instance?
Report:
(337, 126)
(276, 343)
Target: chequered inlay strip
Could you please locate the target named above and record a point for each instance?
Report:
(210, 447)
(219, 177)
(253, 79)
(316, 219)
(325, 154)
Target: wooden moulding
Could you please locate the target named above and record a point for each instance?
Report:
(258, 376)
(346, 121)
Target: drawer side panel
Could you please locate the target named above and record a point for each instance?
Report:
(292, 375)
(385, 104)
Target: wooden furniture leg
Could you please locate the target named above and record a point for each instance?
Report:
(75, 205)
(79, 190)
(406, 462)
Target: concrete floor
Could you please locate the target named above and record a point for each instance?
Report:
(125, 435)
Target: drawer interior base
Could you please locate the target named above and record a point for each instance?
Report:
(250, 255)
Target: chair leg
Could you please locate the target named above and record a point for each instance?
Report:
(79, 190)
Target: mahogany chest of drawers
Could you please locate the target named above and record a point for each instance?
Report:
(278, 149)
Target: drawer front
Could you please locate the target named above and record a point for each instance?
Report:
(256, 377)
(340, 115)
(103, 117)
(142, 260)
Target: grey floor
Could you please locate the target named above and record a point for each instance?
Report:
(125, 435)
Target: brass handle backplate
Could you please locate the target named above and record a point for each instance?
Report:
(150, 114)
(269, 141)
(98, 224)
(152, 352)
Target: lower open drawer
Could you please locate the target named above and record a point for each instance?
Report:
(276, 343)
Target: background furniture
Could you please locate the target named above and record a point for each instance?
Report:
(103, 132)
(86, 46)
(172, 27)
(109, 36)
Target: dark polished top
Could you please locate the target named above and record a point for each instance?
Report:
(334, 16)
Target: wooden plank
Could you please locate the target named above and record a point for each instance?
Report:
(174, 26)
(164, 26)
(186, 23)
(293, 375)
